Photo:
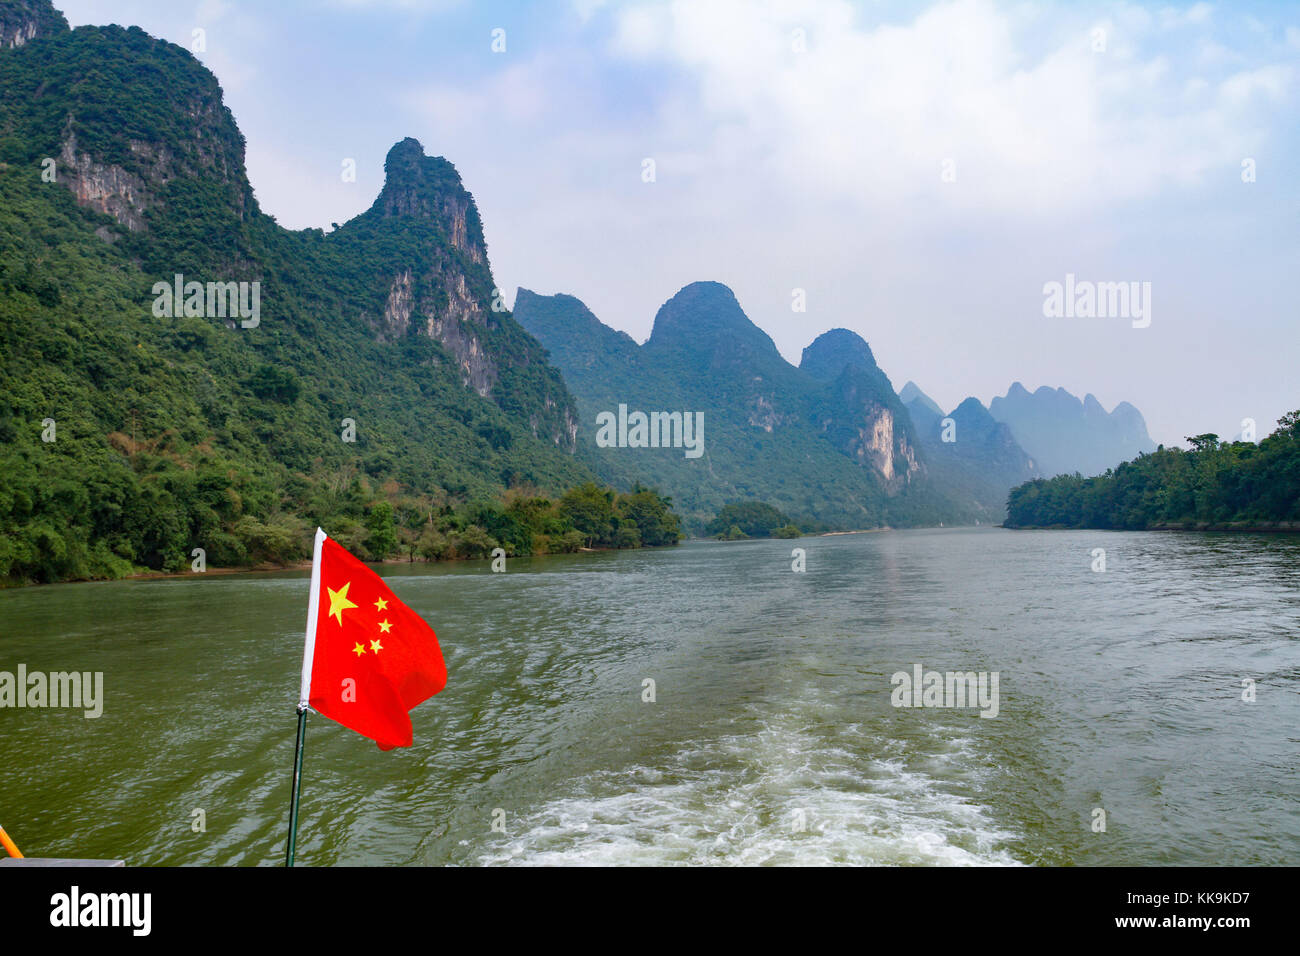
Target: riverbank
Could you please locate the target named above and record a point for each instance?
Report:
(303, 565)
(1239, 527)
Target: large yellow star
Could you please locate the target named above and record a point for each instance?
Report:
(339, 602)
(384, 627)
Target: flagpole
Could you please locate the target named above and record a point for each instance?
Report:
(304, 692)
(297, 785)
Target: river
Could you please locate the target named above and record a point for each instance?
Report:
(772, 736)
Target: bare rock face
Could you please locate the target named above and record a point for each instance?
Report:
(450, 323)
(449, 319)
(881, 445)
(126, 195)
(864, 416)
(22, 21)
(453, 328)
(396, 319)
(765, 413)
(105, 188)
(16, 34)
(427, 225)
(125, 175)
(875, 444)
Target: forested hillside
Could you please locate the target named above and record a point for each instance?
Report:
(828, 442)
(375, 391)
(1214, 484)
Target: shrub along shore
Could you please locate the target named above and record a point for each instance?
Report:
(375, 529)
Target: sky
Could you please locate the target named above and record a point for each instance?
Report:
(920, 171)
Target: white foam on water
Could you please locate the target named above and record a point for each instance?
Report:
(733, 801)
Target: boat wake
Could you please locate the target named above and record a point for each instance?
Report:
(780, 795)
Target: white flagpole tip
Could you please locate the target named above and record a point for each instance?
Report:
(313, 609)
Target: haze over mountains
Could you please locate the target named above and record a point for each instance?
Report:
(1061, 434)
(771, 431)
(914, 463)
(1069, 436)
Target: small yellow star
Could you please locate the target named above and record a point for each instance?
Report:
(381, 604)
(339, 602)
(385, 627)
(359, 650)
(376, 646)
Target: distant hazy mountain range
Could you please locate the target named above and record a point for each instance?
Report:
(1065, 435)
(829, 442)
(1061, 434)
(972, 456)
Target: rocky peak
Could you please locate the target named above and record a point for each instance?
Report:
(425, 227)
(832, 352)
(911, 394)
(429, 188)
(863, 417)
(973, 418)
(704, 317)
(125, 114)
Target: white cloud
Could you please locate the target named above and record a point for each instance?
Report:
(871, 112)
(1172, 18)
(586, 9)
(411, 6)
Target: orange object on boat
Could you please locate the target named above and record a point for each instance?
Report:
(9, 845)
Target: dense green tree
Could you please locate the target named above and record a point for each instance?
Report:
(651, 515)
(590, 509)
(756, 519)
(382, 540)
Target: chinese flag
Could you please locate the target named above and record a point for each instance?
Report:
(369, 658)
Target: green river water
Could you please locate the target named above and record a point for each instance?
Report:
(772, 738)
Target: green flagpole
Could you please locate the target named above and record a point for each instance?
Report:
(297, 785)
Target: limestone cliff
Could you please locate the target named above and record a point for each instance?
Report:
(426, 226)
(863, 417)
(22, 21)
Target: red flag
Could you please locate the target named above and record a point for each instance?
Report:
(369, 658)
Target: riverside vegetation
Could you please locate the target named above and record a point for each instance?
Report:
(1213, 485)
